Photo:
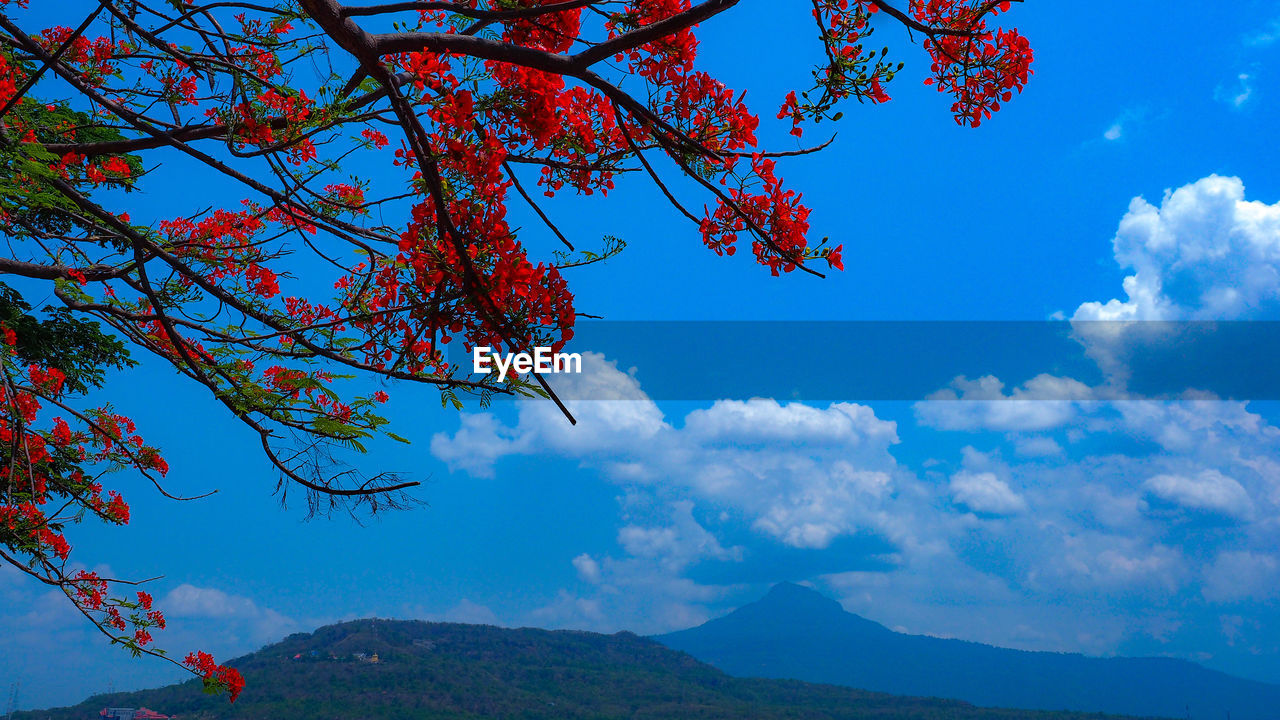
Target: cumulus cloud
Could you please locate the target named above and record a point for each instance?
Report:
(1218, 432)
(472, 613)
(803, 475)
(1042, 403)
(1237, 575)
(1208, 491)
(572, 611)
(1037, 446)
(983, 492)
(826, 505)
(241, 614)
(1205, 253)
(1130, 496)
(616, 418)
(677, 544)
(588, 569)
(1089, 562)
(477, 445)
(190, 601)
(765, 420)
(643, 590)
(789, 475)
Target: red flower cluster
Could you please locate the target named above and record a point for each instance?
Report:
(553, 32)
(46, 468)
(93, 57)
(10, 78)
(216, 677)
(773, 214)
(223, 244)
(983, 68)
(72, 166)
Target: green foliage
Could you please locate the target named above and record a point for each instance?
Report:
(28, 169)
(79, 348)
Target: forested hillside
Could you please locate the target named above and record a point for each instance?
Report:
(437, 671)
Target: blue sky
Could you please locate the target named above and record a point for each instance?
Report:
(1070, 524)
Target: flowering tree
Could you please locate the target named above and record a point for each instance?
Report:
(470, 105)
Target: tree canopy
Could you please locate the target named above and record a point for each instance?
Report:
(317, 274)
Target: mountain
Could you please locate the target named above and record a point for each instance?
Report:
(795, 632)
(439, 671)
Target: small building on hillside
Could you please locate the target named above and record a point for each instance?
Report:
(131, 714)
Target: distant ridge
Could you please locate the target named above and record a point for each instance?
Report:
(796, 632)
(441, 671)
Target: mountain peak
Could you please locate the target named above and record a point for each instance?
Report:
(796, 632)
(800, 597)
(785, 589)
(787, 610)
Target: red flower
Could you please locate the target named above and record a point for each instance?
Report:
(378, 139)
(835, 257)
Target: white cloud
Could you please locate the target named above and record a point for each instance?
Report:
(617, 417)
(1037, 446)
(187, 600)
(1086, 562)
(803, 475)
(472, 613)
(1123, 125)
(476, 446)
(1217, 432)
(821, 511)
(1205, 254)
(784, 473)
(749, 463)
(1237, 575)
(676, 545)
(588, 569)
(1267, 36)
(642, 591)
(1209, 491)
(983, 492)
(1098, 528)
(257, 624)
(571, 611)
(765, 420)
(1042, 403)
(1240, 95)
